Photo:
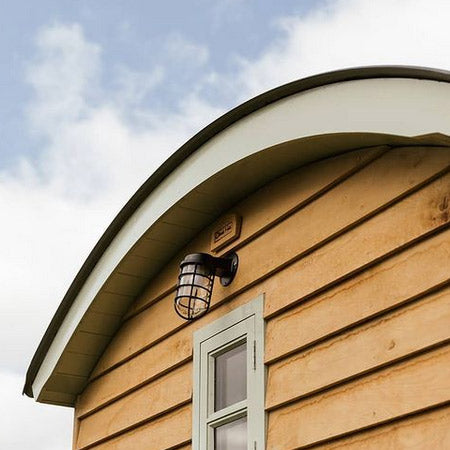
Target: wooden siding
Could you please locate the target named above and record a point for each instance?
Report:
(352, 254)
(429, 430)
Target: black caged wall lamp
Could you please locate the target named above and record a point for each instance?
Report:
(196, 280)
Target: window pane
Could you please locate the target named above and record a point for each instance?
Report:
(230, 377)
(231, 436)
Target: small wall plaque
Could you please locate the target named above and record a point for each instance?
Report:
(226, 231)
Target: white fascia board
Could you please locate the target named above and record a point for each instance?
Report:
(396, 106)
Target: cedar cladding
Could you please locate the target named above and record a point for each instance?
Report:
(352, 254)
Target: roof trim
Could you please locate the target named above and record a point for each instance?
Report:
(184, 152)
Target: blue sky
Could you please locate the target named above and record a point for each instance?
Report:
(134, 37)
(95, 95)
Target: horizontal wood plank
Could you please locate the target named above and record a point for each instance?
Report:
(327, 230)
(389, 338)
(390, 283)
(316, 322)
(378, 236)
(164, 394)
(415, 385)
(285, 287)
(140, 331)
(424, 431)
(269, 204)
(391, 230)
(137, 372)
(404, 167)
(156, 360)
(346, 204)
(170, 431)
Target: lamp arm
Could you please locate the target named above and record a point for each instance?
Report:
(226, 268)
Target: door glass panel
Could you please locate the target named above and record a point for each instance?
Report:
(231, 436)
(230, 384)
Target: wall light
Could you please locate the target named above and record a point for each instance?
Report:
(196, 280)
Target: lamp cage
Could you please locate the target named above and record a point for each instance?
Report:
(196, 281)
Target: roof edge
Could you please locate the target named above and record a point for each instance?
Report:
(177, 158)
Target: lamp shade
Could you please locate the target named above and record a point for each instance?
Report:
(196, 281)
(195, 284)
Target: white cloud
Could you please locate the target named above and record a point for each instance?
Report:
(134, 87)
(348, 33)
(92, 162)
(94, 157)
(64, 75)
(182, 50)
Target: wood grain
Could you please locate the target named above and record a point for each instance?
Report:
(149, 364)
(164, 394)
(267, 205)
(429, 431)
(170, 431)
(389, 338)
(387, 232)
(284, 288)
(347, 203)
(415, 385)
(380, 288)
(335, 247)
(137, 372)
(404, 167)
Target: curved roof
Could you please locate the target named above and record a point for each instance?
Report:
(322, 115)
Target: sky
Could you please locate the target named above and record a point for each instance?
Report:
(96, 95)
